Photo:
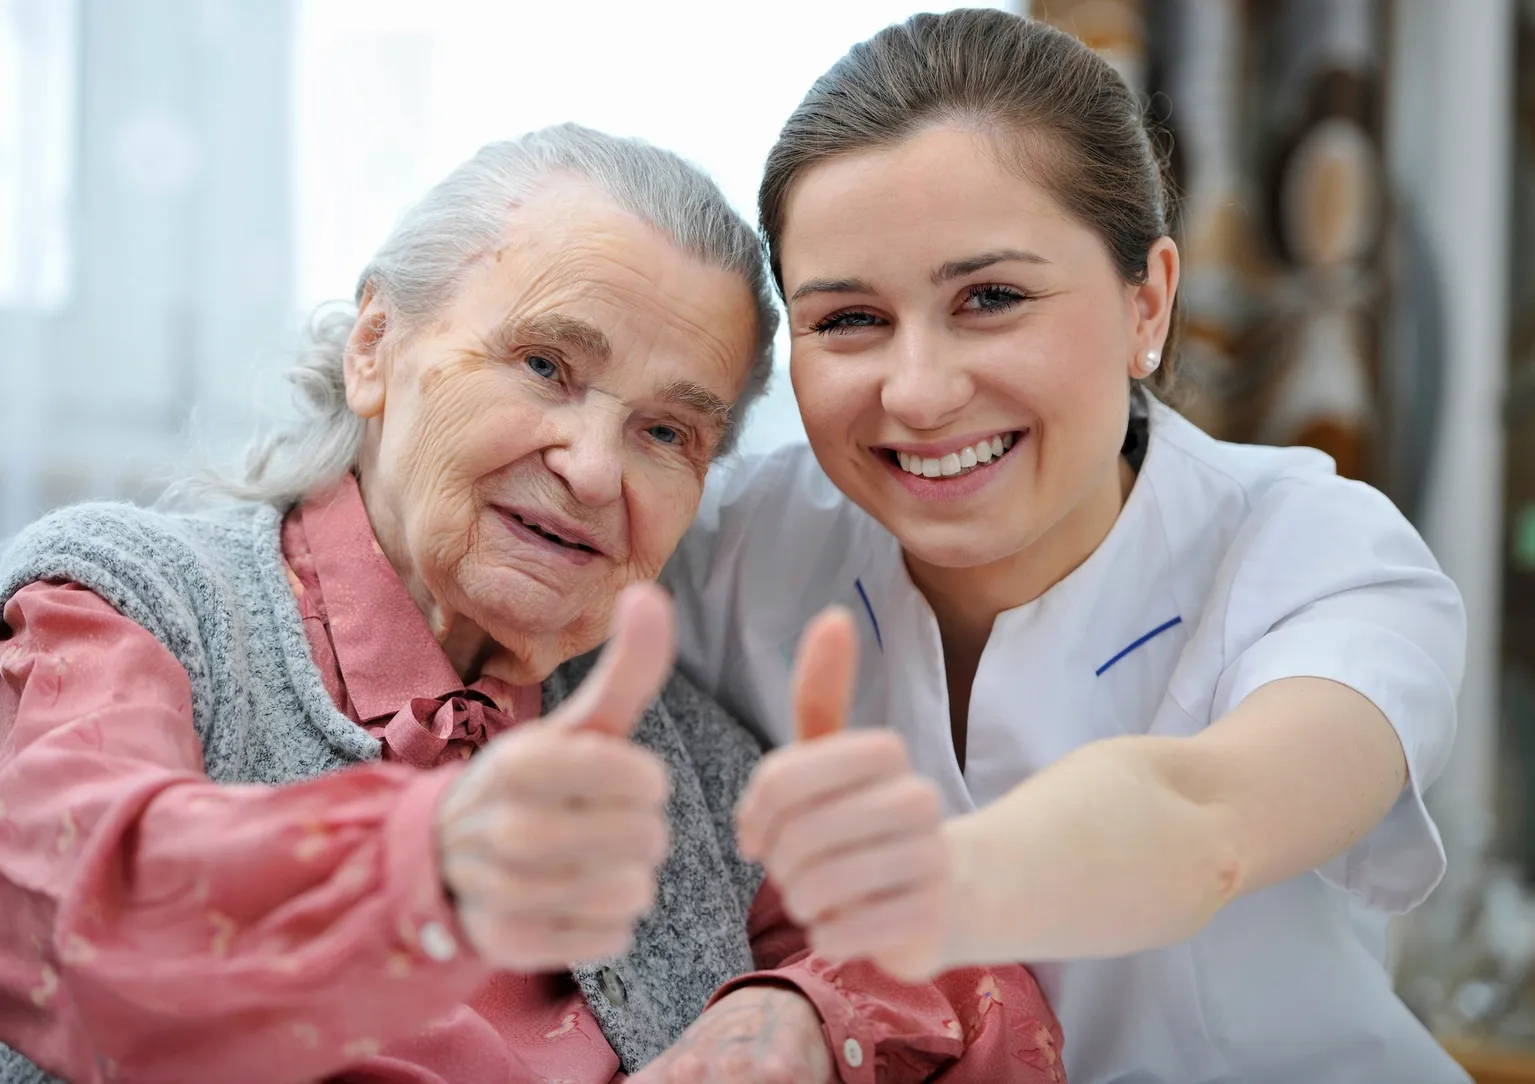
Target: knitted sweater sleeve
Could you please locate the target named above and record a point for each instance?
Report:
(159, 926)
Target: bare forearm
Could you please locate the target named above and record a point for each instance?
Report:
(1104, 853)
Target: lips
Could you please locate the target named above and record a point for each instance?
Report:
(553, 530)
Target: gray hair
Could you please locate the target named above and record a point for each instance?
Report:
(464, 217)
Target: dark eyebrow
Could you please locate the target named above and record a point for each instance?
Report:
(697, 398)
(554, 329)
(955, 269)
(832, 286)
(952, 270)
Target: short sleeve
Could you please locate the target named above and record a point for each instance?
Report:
(1329, 580)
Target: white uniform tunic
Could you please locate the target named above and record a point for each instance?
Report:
(1228, 567)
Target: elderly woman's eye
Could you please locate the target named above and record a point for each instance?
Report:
(543, 366)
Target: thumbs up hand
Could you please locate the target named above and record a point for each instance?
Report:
(843, 825)
(550, 841)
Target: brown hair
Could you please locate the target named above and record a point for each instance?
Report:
(1081, 132)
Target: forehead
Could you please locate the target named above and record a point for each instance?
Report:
(951, 192)
(571, 252)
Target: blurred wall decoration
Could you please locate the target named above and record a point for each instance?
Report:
(1350, 277)
(1518, 790)
(1299, 259)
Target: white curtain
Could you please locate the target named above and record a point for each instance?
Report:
(181, 180)
(177, 238)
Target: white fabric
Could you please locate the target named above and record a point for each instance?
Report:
(1255, 564)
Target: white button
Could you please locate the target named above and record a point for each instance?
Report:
(852, 1053)
(438, 943)
(612, 986)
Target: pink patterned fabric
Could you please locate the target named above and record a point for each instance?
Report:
(158, 926)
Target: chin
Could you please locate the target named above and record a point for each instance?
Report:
(506, 604)
(957, 545)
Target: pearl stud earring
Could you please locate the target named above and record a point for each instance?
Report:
(1153, 359)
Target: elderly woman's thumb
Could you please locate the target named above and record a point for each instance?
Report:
(633, 666)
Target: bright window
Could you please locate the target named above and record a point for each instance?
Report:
(394, 94)
(37, 101)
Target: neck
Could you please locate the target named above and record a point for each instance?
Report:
(466, 645)
(967, 601)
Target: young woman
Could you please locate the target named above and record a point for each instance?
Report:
(1181, 697)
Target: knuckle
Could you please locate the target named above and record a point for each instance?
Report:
(791, 847)
(801, 901)
(525, 892)
(636, 890)
(776, 1069)
(781, 867)
(516, 829)
(613, 941)
(889, 751)
(518, 750)
(657, 780)
(738, 1065)
(773, 777)
(643, 771)
(920, 798)
(832, 942)
(643, 839)
(661, 842)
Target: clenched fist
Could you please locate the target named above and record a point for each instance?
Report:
(551, 839)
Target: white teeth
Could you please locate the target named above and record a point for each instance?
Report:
(978, 454)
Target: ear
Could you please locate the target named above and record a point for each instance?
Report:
(364, 367)
(1153, 302)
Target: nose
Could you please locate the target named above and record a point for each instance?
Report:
(926, 385)
(589, 456)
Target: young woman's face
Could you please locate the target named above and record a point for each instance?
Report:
(961, 347)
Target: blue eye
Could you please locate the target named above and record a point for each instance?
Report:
(992, 298)
(543, 367)
(844, 321)
(665, 434)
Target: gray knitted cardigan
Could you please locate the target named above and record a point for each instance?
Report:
(211, 587)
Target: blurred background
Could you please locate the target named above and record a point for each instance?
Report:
(183, 181)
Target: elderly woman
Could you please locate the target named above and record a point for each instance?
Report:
(273, 803)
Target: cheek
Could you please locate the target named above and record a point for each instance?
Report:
(661, 505)
(468, 426)
(464, 430)
(1070, 368)
(830, 392)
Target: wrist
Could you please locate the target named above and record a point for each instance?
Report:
(809, 1007)
(962, 942)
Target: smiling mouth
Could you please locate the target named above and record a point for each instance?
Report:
(978, 456)
(548, 535)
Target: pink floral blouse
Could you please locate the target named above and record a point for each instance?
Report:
(158, 926)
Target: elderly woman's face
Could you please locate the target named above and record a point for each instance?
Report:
(544, 441)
